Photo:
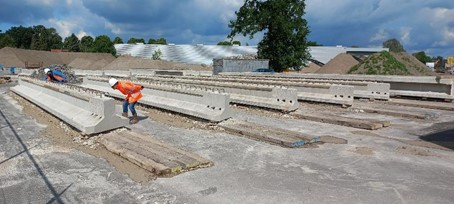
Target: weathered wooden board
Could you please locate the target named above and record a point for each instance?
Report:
(151, 154)
(367, 124)
(273, 135)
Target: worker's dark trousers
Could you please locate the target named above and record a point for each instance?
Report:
(131, 107)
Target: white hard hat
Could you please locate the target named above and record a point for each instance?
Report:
(46, 70)
(112, 82)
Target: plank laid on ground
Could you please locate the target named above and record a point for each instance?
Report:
(423, 104)
(367, 124)
(273, 135)
(395, 112)
(152, 155)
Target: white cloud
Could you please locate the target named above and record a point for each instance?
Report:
(380, 36)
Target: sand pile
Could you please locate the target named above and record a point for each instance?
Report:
(341, 64)
(311, 68)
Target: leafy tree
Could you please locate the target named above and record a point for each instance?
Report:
(160, 41)
(226, 43)
(136, 40)
(157, 55)
(86, 44)
(118, 40)
(236, 42)
(313, 43)
(45, 39)
(284, 42)
(72, 43)
(22, 36)
(393, 45)
(421, 56)
(103, 44)
(6, 41)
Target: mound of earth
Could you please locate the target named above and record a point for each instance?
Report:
(128, 62)
(311, 68)
(341, 64)
(386, 63)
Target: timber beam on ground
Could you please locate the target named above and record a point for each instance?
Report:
(395, 111)
(367, 124)
(209, 106)
(155, 156)
(272, 135)
(447, 106)
(324, 93)
(84, 110)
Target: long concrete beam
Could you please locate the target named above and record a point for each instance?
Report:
(86, 112)
(207, 105)
(325, 93)
(415, 86)
(362, 89)
(278, 98)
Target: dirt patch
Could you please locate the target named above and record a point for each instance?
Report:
(366, 151)
(63, 136)
(270, 113)
(414, 151)
(366, 133)
(341, 64)
(333, 140)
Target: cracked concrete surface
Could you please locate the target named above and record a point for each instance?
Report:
(34, 170)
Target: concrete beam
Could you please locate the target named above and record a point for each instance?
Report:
(88, 113)
(414, 86)
(209, 106)
(81, 72)
(278, 98)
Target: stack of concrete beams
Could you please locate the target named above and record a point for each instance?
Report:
(435, 87)
(278, 98)
(87, 112)
(212, 106)
(362, 89)
(325, 93)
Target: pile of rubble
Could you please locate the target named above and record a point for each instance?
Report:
(5, 80)
(66, 70)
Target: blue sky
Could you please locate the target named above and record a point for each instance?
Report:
(420, 25)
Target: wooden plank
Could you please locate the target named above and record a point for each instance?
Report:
(152, 155)
(273, 135)
(397, 113)
(367, 124)
(447, 106)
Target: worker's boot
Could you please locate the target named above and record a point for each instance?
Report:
(134, 119)
(125, 114)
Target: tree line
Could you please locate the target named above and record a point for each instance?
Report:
(41, 38)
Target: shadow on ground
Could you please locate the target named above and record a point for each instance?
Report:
(443, 135)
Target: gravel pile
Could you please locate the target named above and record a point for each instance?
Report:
(66, 70)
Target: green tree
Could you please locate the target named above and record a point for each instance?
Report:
(160, 41)
(422, 57)
(393, 45)
(103, 44)
(157, 55)
(22, 36)
(45, 39)
(118, 40)
(136, 40)
(72, 43)
(225, 43)
(313, 43)
(284, 42)
(86, 44)
(236, 42)
(6, 41)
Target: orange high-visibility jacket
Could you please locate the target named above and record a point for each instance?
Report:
(131, 90)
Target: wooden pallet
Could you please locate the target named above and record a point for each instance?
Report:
(155, 156)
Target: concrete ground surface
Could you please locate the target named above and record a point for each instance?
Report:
(390, 165)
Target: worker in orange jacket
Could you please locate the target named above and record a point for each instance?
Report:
(133, 94)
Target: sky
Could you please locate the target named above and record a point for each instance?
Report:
(420, 25)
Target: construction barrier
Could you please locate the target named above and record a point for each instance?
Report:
(85, 111)
(206, 105)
